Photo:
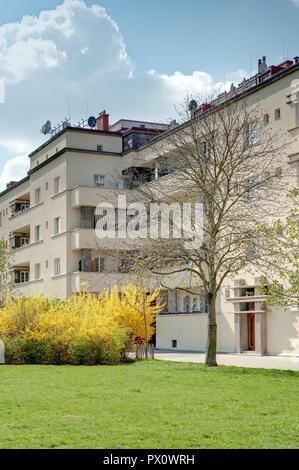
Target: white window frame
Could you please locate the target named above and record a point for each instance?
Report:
(37, 271)
(57, 266)
(99, 180)
(37, 233)
(251, 133)
(57, 185)
(37, 196)
(24, 277)
(57, 226)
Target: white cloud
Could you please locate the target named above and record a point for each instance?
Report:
(14, 170)
(75, 57)
(296, 2)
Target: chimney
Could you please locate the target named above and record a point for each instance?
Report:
(262, 65)
(103, 122)
(11, 184)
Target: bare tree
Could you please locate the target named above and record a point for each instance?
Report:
(229, 160)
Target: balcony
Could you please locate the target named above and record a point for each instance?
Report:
(86, 238)
(20, 205)
(96, 282)
(21, 274)
(91, 196)
(20, 239)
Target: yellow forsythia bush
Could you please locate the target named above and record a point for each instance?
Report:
(80, 330)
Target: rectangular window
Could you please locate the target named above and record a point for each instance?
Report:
(57, 267)
(99, 148)
(297, 113)
(57, 225)
(24, 241)
(57, 185)
(227, 293)
(266, 119)
(37, 196)
(251, 134)
(186, 303)
(24, 276)
(251, 188)
(0, 219)
(37, 233)
(174, 343)
(37, 271)
(99, 180)
(100, 265)
(277, 114)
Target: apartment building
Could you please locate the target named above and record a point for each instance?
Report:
(49, 218)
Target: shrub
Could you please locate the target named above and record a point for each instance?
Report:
(80, 330)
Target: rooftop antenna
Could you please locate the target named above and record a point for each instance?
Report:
(283, 49)
(69, 107)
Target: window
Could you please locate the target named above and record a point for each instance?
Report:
(57, 185)
(24, 276)
(227, 293)
(277, 114)
(252, 247)
(99, 148)
(57, 267)
(99, 180)
(0, 219)
(251, 188)
(266, 119)
(24, 241)
(47, 264)
(37, 162)
(186, 303)
(251, 135)
(37, 196)
(37, 233)
(174, 343)
(47, 186)
(57, 225)
(100, 265)
(195, 304)
(37, 271)
(47, 224)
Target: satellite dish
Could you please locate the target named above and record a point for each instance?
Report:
(92, 122)
(46, 129)
(193, 105)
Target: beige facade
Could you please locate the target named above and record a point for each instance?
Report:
(49, 219)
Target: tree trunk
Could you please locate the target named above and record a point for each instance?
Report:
(211, 350)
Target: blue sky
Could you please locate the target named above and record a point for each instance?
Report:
(135, 58)
(213, 35)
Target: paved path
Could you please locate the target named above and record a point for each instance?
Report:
(239, 360)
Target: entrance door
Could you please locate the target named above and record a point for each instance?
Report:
(251, 331)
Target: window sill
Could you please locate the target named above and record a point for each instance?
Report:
(58, 276)
(56, 195)
(57, 235)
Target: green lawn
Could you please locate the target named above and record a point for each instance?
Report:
(148, 405)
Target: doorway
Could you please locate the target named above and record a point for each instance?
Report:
(251, 331)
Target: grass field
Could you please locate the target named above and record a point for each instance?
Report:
(148, 405)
